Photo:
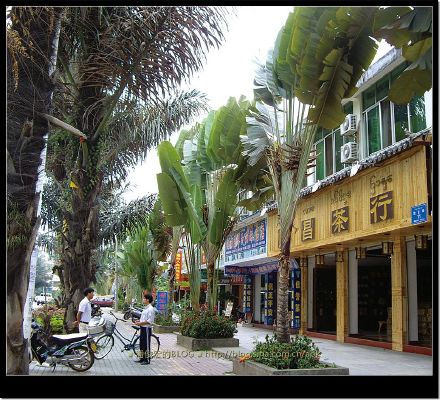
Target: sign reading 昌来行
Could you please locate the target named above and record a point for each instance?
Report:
(247, 242)
(419, 213)
(162, 301)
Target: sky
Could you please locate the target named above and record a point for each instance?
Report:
(229, 71)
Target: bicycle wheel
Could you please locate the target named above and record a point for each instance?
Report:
(155, 344)
(85, 363)
(103, 346)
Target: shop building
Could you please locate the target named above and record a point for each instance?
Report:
(363, 226)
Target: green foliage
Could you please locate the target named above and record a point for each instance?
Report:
(50, 318)
(300, 352)
(165, 320)
(206, 324)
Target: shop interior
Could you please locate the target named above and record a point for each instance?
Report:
(374, 296)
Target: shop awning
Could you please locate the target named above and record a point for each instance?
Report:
(256, 269)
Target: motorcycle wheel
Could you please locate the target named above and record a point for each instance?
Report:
(127, 315)
(86, 363)
(134, 318)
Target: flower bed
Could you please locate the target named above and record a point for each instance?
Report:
(50, 318)
(203, 330)
(299, 357)
(206, 324)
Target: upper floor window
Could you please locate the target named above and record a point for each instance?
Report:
(385, 122)
(328, 145)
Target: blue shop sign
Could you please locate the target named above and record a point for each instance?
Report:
(162, 301)
(419, 214)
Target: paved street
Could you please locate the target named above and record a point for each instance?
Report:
(176, 360)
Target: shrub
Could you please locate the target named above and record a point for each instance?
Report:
(207, 325)
(165, 320)
(50, 318)
(300, 353)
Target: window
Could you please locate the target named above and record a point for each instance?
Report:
(385, 122)
(328, 145)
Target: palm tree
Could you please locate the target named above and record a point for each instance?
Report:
(318, 57)
(117, 64)
(32, 45)
(202, 195)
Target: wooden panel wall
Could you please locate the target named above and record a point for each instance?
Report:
(404, 175)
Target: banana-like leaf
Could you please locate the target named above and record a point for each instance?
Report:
(170, 159)
(171, 200)
(193, 215)
(225, 204)
(257, 200)
(410, 83)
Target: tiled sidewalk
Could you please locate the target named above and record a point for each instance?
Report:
(171, 360)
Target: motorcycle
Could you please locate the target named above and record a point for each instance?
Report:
(134, 313)
(96, 310)
(73, 350)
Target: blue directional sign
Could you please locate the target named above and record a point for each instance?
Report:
(419, 214)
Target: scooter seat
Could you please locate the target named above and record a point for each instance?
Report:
(69, 338)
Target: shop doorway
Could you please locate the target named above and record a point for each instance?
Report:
(324, 280)
(374, 296)
(424, 295)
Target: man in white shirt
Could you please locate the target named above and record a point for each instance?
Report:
(146, 322)
(84, 314)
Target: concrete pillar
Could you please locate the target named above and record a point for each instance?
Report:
(353, 293)
(257, 302)
(304, 295)
(341, 295)
(399, 293)
(411, 262)
(311, 266)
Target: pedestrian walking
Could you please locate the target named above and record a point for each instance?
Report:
(84, 314)
(145, 323)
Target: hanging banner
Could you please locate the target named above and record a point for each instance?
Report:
(269, 299)
(296, 298)
(247, 294)
(178, 266)
(247, 242)
(162, 301)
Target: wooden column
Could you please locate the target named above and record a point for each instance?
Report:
(304, 295)
(341, 295)
(399, 296)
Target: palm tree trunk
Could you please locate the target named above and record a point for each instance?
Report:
(282, 295)
(30, 90)
(212, 289)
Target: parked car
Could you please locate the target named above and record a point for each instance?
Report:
(103, 301)
(43, 298)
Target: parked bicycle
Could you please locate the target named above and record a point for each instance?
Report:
(105, 343)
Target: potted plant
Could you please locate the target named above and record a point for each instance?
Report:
(298, 357)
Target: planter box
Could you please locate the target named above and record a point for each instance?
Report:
(165, 328)
(205, 344)
(253, 368)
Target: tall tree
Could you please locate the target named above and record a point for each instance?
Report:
(318, 57)
(117, 66)
(32, 45)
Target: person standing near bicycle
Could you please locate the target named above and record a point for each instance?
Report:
(84, 314)
(146, 323)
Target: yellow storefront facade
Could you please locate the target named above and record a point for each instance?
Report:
(365, 217)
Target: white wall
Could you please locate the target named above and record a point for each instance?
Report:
(311, 265)
(411, 262)
(353, 311)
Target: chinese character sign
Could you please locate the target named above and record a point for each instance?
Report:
(340, 220)
(381, 207)
(247, 242)
(269, 301)
(162, 301)
(247, 294)
(296, 298)
(308, 229)
(178, 266)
